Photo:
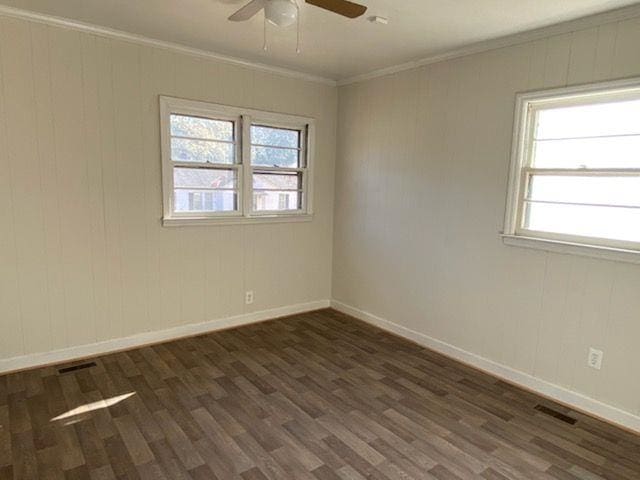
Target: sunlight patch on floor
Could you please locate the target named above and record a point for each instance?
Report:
(89, 407)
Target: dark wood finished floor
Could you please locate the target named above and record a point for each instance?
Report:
(313, 396)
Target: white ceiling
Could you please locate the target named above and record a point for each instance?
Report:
(332, 46)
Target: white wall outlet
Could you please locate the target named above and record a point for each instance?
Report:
(595, 358)
(248, 297)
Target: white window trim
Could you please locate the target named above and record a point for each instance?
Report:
(512, 233)
(242, 118)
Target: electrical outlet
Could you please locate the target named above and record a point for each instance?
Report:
(248, 297)
(595, 358)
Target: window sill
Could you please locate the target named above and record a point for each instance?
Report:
(208, 221)
(557, 246)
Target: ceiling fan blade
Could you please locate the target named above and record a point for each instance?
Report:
(341, 7)
(248, 11)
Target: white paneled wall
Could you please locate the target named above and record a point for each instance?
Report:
(423, 157)
(83, 256)
(420, 189)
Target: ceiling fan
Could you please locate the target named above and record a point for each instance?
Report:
(285, 12)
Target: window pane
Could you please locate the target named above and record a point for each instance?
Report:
(274, 200)
(608, 190)
(610, 152)
(578, 220)
(205, 201)
(616, 118)
(276, 181)
(277, 137)
(201, 151)
(198, 127)
(274, 157)
(203, 178)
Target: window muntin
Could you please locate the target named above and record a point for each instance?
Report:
(596, 190)
(221, 162)
(217, 188)
(279, 168)
(594, 152)
(205, 170)
(584, 221)
(599, 119)
(275, 137)
(202, 140)
(201, 151)
(190, 126)
(577, 176)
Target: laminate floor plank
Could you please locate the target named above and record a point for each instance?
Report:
(315, 396)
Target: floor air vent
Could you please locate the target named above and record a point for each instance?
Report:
(80, 366)
(554, 413)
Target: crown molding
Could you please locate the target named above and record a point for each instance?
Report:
(603, 18)
(569, 26)
(6, 11)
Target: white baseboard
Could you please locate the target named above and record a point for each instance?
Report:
(146, 338)
(560, 394)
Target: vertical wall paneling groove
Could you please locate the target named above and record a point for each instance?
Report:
(418, 217)
(149, 112)
(12, 343)
(23, 154)
(68, 117)
(46, 177)
(110, 208)
(83, 255)
(92, 158)
(164, 75)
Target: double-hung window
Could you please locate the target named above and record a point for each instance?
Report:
(277, 161)
(575, 173)
(225, 164)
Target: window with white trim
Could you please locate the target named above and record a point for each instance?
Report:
(277, 160)
(225, 164)
(575, 174)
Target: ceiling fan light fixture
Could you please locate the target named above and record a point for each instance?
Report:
(282, 13)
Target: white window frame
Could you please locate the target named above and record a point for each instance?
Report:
(268, 120)
(521, 157)
(243, 118)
